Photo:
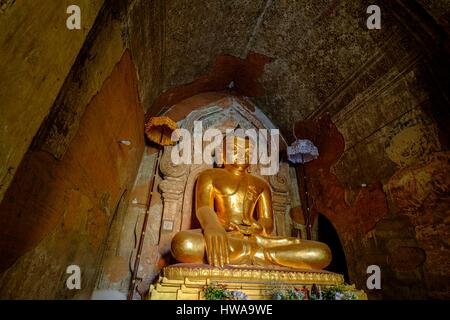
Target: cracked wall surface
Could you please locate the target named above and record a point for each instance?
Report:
(37, 53)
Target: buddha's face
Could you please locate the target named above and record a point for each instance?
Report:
(236, 152)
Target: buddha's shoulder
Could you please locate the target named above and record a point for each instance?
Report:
(210, 174)
(209, 171)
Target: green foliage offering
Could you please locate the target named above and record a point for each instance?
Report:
(314, 293)
(287, 294)
(219, 292)
(340, 292)
(337, 293)
(214, 293)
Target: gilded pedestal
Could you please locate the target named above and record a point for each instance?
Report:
(187, 281)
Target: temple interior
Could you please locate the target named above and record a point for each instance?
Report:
(83, 184)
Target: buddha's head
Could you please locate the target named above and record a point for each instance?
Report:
(237, 152)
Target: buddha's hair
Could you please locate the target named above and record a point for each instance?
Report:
(248, 144)
(246, 141)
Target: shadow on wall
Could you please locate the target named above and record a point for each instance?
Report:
(328, 235)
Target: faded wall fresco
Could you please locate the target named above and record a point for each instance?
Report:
(58, 212)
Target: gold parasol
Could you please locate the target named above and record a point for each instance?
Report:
(159, 130)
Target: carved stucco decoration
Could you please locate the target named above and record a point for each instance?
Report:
(172, 189)
(280, 199)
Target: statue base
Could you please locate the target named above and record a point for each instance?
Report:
(187, 281)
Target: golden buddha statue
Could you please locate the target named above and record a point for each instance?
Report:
(234, 209)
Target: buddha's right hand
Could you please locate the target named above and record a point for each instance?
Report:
(216, 246)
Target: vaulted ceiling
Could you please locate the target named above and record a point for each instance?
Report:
(316, 47)
(311, 56)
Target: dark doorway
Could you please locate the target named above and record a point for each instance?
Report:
(328, 235)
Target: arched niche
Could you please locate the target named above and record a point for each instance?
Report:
(328, 234)
(178, 184)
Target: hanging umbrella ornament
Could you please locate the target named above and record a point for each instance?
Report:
(300, 152)
(158, 130)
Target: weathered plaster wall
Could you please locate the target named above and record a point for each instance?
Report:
(400, 224)
(421, 194)
(37, 52)
(121, 248)
(175, 42)
(393, 130)
(103, 49)
(313, 48)
(439, 10)
(58, 212)
(389, 139)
